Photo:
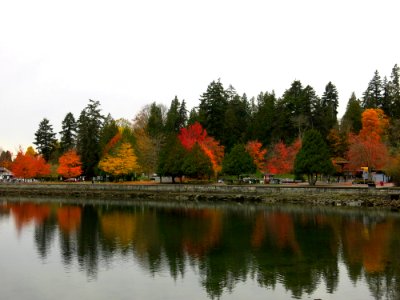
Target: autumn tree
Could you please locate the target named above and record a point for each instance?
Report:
(120, 163)
(149, 137)
(313, 158)
(374, 123)
(367, 148)
(195, 134)
(69, 164)
(5, 159)
(28, 166)
(281, 159)
(258, 154)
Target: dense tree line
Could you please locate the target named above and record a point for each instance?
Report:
(228, 123)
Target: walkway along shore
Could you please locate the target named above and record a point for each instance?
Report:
(318, 195)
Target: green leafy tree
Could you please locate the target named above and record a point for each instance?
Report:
(45, 140)
(68, 133)
(238, 161)
(313, 157)
(351, 121)
(90, 124)
(213, 104)
(197, 164)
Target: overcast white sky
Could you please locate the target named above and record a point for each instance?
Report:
(56, 55)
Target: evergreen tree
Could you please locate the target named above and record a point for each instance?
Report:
(313, 157)
(351, 120)
(237, 117)
(155, 122)
(107, 132)
(68, 133)
(296, 108)
(176, 116)
(386, 99)
(172, 158)
(264, 120)
(89, 127)
(372, 97)
(329, 105)
(238, 161)
(197, 164)
(394, 92)
(45, 140)
(193, 116)
(213, 104)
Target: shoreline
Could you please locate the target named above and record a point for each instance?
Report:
(327, 195)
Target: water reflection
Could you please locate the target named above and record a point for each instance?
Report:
(297, 248)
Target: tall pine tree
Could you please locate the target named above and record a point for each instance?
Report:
(68, 133)
(373, 95)
(213, 104)
(45, 140)
(89, 127)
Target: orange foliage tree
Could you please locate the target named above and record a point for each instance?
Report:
(374, 123)
(196, 134)
(29, 166)
(367, 148)
(69, 164)
(257, 153)
(282, 157)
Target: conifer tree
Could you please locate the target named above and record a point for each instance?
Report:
(313, 157)
(373, 95)
(213, 104)
(351, 120)
(45, 140)
(68, 133)
(89, 127)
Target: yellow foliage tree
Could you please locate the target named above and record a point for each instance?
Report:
(122, 162)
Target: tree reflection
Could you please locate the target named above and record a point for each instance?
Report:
(297, 248)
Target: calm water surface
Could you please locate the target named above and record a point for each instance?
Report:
(58, 250)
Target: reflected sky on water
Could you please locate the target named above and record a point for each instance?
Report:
(61, 250)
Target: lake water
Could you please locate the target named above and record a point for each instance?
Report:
(59, 250)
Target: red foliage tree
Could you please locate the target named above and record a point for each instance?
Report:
(366, 151)
(196, 134)
(254, 148)
(29, 166)
(69, 164)
(282, 157)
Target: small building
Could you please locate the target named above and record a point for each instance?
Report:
(5, 174)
